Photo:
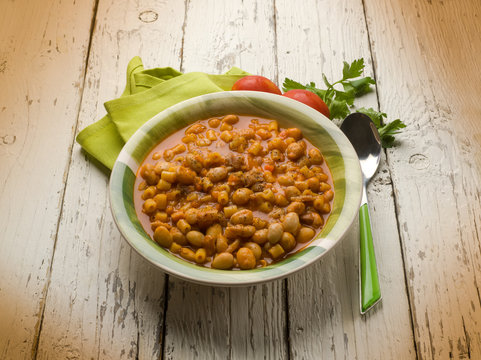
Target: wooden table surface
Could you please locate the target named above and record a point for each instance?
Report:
(71, 287)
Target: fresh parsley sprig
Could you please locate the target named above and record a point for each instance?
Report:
(340, 102)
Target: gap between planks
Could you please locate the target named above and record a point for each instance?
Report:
(395, 200)
(38, 326)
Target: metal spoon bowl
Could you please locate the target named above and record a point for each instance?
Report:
(364, 137)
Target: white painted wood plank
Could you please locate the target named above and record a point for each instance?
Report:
(104, 301)
(216, 323)
(429, 73)
(43, 48)
(324, 317)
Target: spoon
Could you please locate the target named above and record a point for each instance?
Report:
(364, 137)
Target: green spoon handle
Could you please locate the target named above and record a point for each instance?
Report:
(370, 289)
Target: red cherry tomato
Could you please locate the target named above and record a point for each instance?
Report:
(256, 83)
(309, 98)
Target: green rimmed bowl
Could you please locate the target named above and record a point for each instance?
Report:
(336, 148)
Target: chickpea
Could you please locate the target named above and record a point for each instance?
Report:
(273, 126)
(221, 244)
(260, 236)
(313, 184)
(200, 256)
(194, 162)
(195, 129)
(142, 186)
(211, 135)
(195, 238)
(297, 207)
(259, 223)
(294, 151)
(189, 138)
(285, 180)
(264, 134)
(268, 177)
(241, 196)
(294, 133)
(149, 193)
(301, 185)
(292, 191)
(217, 174)
(244, 217)
(178, 236)
(206, 184)
(163, 237)
(226, 136)
(329, 195)
(203, 142)
(149, 206)
(291, 223)
(223, 198)
(288, 242)
(324, 187)
(255, 248)
(214, 122)
(255, 148)
(226, 127)
(168, 155)
(268, 195)
(183, 226)
(305, 234)
(313, 219)
(238, 144)
(246, 258)
(223, 261)
(191, 216)
(315, 156)
(281, 200)
(277, 155)
(230, 119)
(326, 208)
(276, 143)
(319, 203)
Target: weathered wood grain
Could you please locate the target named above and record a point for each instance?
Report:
(104, 301)
(426, 56)
(324, 319)
(43, 47)
(218, 323)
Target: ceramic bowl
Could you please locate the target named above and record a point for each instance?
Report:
(336, 148)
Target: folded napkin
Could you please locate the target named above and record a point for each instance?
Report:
(147, 93)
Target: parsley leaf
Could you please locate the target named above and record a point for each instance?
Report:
(354, 70)
(376, 116)
(340, 102)
(388, 131)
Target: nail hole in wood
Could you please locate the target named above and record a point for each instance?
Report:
(148, 16)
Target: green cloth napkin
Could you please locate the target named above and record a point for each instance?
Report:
(146, 93)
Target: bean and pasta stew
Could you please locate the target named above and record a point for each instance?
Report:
(234, 192)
